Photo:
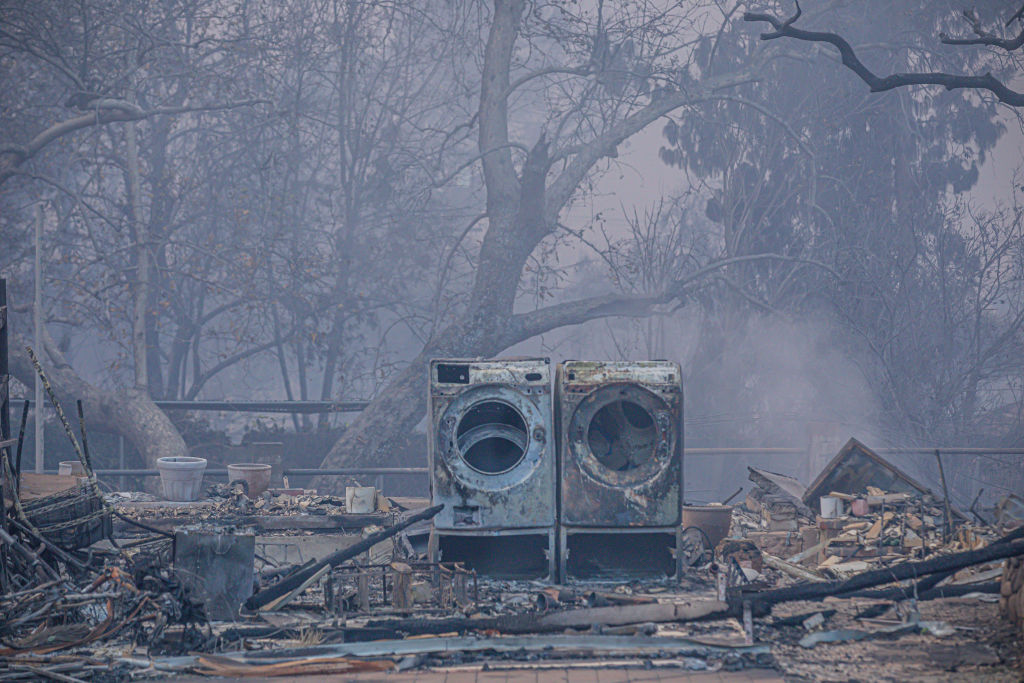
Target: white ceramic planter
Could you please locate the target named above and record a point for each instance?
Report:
(181, 477)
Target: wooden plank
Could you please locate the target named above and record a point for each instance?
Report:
(288, 597)
(813, 550)
(790, 569)
(874, 531)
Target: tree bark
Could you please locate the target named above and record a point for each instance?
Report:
(130, 412)
(521, 211)
(140, 290)
(105, 111)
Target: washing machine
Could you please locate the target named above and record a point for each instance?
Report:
(491, 450)
(620, 435)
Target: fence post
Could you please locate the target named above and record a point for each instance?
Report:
(123, 485)
(5, 384)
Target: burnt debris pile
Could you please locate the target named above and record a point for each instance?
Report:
(556, 537)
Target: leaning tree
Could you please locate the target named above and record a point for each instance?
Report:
(560, 88)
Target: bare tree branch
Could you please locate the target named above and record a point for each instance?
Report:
(986, 37)
(104, 111)
(523, 326)
(785, 29)
(584, 156)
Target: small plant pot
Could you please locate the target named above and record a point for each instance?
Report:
(255, 475)
(68, 468)
(181, 477)
(360, 499)
(713, 520)
(831, 507)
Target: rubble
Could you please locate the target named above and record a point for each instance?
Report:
(786, 586)
(1011, 592)
(875, 527)
(295, 581)
(856, 469)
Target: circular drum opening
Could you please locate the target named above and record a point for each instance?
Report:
(622, 435)
(492, 437)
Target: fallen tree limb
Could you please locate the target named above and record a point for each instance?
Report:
(286, 586)
(762, 601)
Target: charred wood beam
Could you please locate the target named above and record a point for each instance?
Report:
(762, 601)
(285, 586)
(341, 634)
(929, 582)
(907, 592)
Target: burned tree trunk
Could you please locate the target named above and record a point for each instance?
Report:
(515, 208)
(130, 412)
(522, 209)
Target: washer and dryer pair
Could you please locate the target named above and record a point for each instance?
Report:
(582, 484)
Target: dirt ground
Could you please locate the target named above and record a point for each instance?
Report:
(603, 674)
(985, 647)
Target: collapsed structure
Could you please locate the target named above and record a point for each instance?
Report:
(555, 537)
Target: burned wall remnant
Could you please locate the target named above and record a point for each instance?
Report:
(492, 464)
(855, 468)
(620, 465)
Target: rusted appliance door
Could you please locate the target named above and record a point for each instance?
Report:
(620, 427)
(491, 444)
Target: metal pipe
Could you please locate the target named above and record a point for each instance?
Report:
(881, 451)
(345, 471)
(21, 442)
(338, 472)
(305, 407)
(5, 379)
(266, 406)
(948, 526)
(37, 336)
(120, 460)
(743, 451)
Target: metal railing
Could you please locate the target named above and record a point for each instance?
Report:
(287, 471)
(380, 473)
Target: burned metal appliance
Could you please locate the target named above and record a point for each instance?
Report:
(492, 465)
(215, 564)
(620, 467)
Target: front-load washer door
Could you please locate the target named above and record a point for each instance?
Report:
(621, 468)
(493, 437)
